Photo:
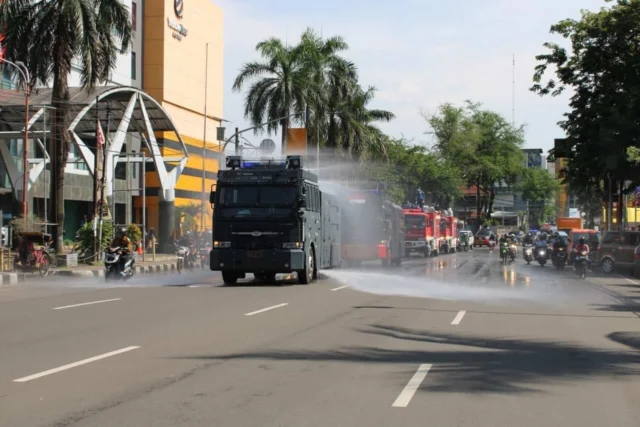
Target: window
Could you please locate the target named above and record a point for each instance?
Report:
(133, 66)
(134, 15)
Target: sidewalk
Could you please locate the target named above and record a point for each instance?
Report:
(163, 263)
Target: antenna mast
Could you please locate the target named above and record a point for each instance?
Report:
(513, 91)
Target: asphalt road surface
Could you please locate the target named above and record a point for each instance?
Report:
(459, 340)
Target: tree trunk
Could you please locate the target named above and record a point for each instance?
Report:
(331, 132)
(285, 128)
(621, 206)
(60, 102)
(478, 203)
(492, 198)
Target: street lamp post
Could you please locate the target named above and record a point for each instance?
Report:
(22, 68)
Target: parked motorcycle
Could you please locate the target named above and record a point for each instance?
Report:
(559, 257)
(114, 268)
(542, 255)
(580, 264)
(528, 253)
(181, 252)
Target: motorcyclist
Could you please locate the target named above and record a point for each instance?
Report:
(124, 243)
(581, 246)
(541, 242)
(188, 241)
(528, 239)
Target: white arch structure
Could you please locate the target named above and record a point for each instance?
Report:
(141, 113)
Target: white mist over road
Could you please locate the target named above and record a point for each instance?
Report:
(503, 285)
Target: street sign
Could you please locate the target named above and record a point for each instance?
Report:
(267, 146)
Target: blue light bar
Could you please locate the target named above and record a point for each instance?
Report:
(252, 165)
(376, 191)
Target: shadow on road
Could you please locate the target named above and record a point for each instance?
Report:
(630, 339)
(482, 365)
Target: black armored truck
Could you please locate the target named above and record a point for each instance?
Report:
(271, 217)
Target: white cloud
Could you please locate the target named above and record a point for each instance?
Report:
(418, 54)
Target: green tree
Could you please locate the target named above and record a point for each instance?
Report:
(48, 36)
(601, 69)
(537, 187)
(280, 85)
(312, 76)
(481, 145)
(355, 122)
(408, 167)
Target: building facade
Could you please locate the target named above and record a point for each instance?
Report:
(176, 58)
(183, 61)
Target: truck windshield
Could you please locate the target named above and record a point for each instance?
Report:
(263, 195)
(412, 222)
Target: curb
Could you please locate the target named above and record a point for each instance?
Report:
(165, 268)
(140, 270)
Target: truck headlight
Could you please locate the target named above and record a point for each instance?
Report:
(292, 245)
(221, 244)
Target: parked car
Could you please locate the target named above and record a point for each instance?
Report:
(617, 249)
(482, 238)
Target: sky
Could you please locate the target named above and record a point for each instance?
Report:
(419, 54)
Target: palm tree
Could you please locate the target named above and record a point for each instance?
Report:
(278, 91)
(47, 36)
(354, 123)
(331, 75)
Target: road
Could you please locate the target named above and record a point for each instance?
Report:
(458, 340)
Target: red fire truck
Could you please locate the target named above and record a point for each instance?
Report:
(372, 227)
(420, 234)
(448, 241)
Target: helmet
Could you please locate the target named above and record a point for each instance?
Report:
(581, 241)
(121, 232)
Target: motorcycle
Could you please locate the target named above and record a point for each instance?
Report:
(181, 252)
(541, 255)
(114, 268)
(513, 251)
(464, 244)
(559, 257)
(504, 252)
(528, 253)
(580, 264)
(191, 257)
(204, 255)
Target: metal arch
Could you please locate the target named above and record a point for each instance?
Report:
(85, 152)
(168, 180)
(133, 90)
(36, 164)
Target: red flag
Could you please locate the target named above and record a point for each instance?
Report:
(99, 135)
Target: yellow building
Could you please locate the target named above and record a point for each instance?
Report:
(181, 41)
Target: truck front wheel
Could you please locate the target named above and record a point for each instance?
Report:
(306, 276)
(229, 278)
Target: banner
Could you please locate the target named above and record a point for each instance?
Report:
(296, 141)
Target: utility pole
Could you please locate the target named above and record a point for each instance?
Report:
(24, 71)
(105, 149)
(237, 140)
(204, 137)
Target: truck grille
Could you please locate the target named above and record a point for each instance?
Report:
(242, 236)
